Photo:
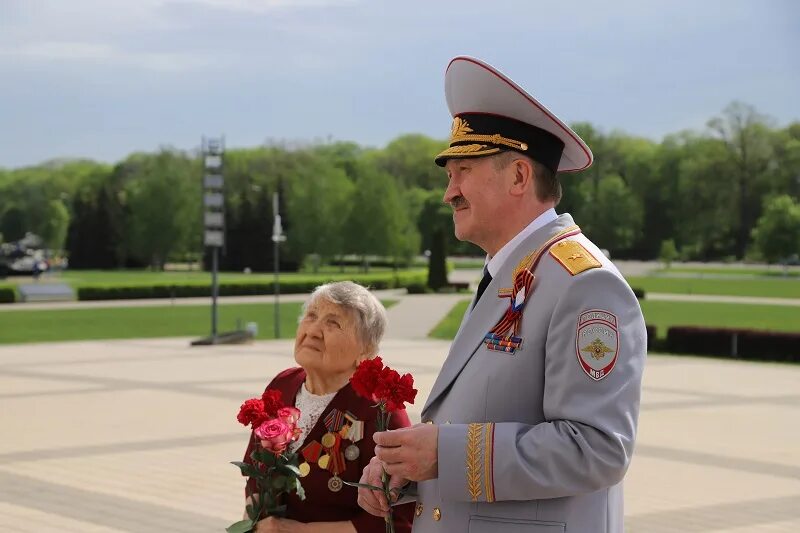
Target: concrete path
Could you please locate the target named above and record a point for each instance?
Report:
(135, 436)
(414, 316)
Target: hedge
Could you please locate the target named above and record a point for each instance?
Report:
(732, 342)
(7, 295)
(651, 336)
(377, 281)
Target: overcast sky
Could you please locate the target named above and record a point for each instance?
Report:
(105, 78)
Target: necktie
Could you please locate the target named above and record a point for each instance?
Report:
(485, 280)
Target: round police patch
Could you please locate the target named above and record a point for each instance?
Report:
(597, 343)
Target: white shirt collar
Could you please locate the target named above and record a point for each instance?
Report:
(494, 263)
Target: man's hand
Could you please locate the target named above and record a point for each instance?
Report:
(273, 524)
(409, 453)
(373, 501)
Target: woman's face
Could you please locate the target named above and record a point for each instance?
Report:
(327, 341)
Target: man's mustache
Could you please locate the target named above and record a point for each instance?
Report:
(458, 202)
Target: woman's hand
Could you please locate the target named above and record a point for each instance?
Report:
(273, 524)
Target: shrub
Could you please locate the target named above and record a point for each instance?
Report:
(745, 343)
(7, 295)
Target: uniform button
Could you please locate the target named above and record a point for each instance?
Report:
(437, 514)
(418, 510)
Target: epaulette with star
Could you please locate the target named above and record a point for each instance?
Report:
(574, 257)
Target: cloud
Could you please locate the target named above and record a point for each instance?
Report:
(102, 53)
(260, 6)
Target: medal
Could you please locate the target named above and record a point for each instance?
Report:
(335, 484)
(328, 440)
(323, 461)
(352, 452)
(304, 468)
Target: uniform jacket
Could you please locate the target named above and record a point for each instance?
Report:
(322, 505)
(539, 440)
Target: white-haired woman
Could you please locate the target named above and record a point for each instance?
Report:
(341, 324)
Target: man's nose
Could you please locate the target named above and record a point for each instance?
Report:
(450, 192)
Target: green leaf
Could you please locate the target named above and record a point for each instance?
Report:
(301, 492)
(288, 470)
(264, 457)
(278, 482)
(251, 512)
(363, 485)
(247, 469)
(243, 526)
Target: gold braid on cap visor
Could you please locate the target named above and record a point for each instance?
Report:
(461, 132)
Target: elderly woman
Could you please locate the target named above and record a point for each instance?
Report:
(341, 325)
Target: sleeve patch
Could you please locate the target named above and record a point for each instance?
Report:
(574, 257)
(597, 343)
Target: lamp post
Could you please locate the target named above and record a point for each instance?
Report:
(277, 238)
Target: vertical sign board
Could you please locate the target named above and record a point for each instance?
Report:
(214, 215)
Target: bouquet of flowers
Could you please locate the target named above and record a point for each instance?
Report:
(390, 391)
(274, 469)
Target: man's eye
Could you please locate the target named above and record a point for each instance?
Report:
(335, 324)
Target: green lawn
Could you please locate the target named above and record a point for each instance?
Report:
(764, 287)
(666, 314)
(775, 271)
(447, 328)
(143, 322)
(765, 317)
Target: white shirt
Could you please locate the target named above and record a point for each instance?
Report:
(495, 263)
(311, 407)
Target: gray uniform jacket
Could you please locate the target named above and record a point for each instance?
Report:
(539, 439)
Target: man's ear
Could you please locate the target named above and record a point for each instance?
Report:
(523, 177)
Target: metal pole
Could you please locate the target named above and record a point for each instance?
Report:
(277, 291)
(214, 291)
(276, 234)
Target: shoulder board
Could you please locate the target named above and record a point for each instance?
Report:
(574, 257)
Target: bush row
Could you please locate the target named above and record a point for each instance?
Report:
(388, 280)
(7, 295)
(744, 343)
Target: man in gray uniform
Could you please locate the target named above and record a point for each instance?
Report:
(531, 423)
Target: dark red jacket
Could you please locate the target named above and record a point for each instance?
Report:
(322, 505)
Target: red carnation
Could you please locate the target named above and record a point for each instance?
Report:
(393, 390)
(366, 377)
(252, 413)
(403, 392)
(272, 402)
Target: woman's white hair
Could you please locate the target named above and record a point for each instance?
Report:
(368, 311)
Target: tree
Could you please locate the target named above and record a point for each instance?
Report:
(12, 224)
(161, 214)
(319, 201)
(409, 158)
(777, 234)
(378, 223)
(668, 252)
(613, 215)
(745, 134)
(436, 227)
(55, 225)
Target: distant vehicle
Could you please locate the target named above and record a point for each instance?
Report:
(25, 257)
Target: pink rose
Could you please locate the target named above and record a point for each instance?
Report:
(290, 415)
(275, 435)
